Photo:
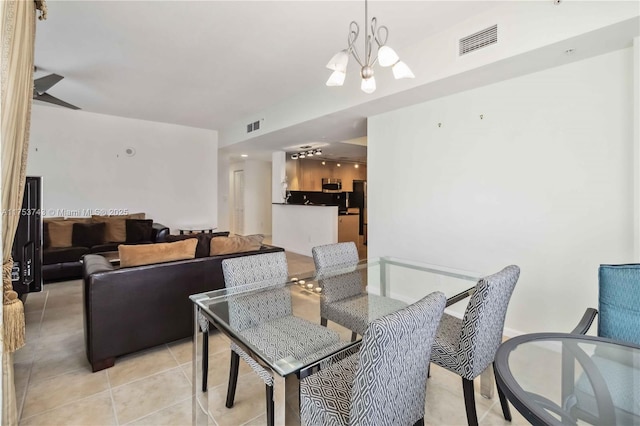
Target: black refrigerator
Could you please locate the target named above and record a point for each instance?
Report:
(26, 275)
(359, 199)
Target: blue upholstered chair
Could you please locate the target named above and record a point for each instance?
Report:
(344, 300)
(266, 320)
(618, 319)
(467, 346)
(385, 382)
(618, 304)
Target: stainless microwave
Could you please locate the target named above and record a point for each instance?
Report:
(331, 185)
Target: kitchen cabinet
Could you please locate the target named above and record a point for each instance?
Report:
(348, 228)
(307, 175)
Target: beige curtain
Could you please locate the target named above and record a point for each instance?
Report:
(18, 37)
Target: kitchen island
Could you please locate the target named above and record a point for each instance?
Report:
(300, 227)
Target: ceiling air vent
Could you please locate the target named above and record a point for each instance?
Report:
(252, 127)
(479, 40)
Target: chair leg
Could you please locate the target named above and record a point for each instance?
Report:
(205, 359)
(506, 412)
(270, 417)
(323, 322)
(233, 379)
(429, 371)
(354, 336)
(470, 402)
(419, 422)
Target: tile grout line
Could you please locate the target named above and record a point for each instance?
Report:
(113, 402)
(180, 401)
(180, 365)
(63, 405)
(33, 357)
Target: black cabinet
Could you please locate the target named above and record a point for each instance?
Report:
(26, 274)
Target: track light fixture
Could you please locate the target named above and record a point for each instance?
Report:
(304, 154)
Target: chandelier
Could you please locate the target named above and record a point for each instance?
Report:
(385, 55)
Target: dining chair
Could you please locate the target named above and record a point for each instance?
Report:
(618, 319)
(385, 382)
(344, 299)
(265, 319)
(467, 346)
(618, 304)
(335, 255)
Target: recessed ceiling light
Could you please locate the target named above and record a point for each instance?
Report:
(243, 155)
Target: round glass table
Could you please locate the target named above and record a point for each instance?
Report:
(570, 379)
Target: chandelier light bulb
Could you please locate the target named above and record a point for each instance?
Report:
(402, 70)
(336, 79)
(368, 85)
(339, 61)
(387, 56)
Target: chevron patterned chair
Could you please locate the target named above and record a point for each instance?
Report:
(467, 347)
(344, 300)
(266, 320)
(385, 382)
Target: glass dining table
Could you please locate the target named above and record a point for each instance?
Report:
(338, 302)
(559, 379)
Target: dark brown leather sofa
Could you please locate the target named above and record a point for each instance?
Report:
(130, 309)
(64, 263)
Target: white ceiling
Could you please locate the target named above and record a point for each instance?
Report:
(208, 63)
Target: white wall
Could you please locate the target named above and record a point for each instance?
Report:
(81, 157)
(257, 196)
(544, 181)
(224, 193)
(278, 175)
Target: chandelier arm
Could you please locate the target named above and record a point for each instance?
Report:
(354, 31)
(367, 40)
(380, 40)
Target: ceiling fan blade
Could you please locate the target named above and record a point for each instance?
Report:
(45, 83)
(45, 97)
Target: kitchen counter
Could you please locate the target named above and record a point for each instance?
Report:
(305, 205)
(300, 227)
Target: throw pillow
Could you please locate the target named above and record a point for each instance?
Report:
(46, 239)
(60, 233)
(146, 254)
(87, 235)
(115, 228)
(235, 244)
(138, 230)
(204, 241)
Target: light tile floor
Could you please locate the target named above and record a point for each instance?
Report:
(55, 385)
